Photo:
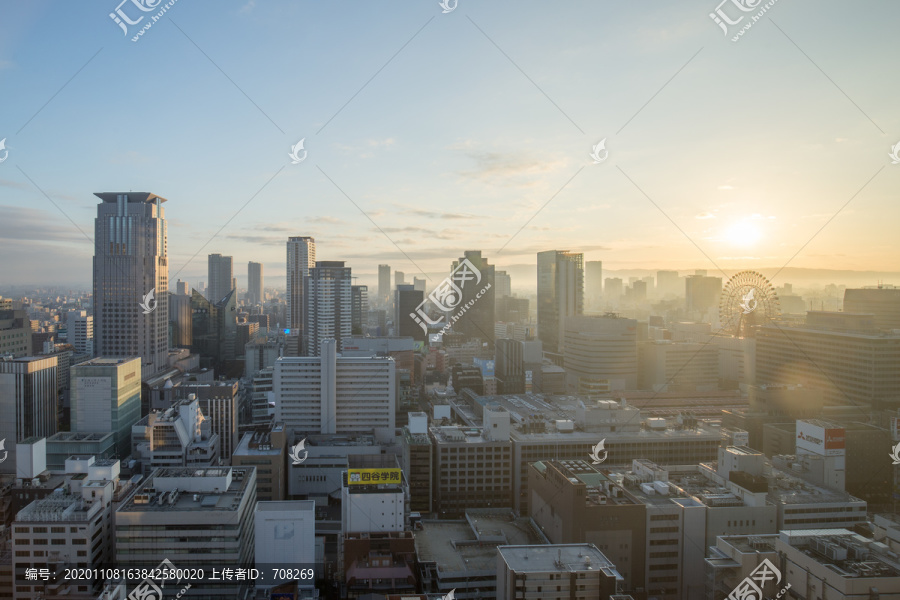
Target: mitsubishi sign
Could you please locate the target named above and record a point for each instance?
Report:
(824, 441)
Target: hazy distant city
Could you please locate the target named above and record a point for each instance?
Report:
(449, 301)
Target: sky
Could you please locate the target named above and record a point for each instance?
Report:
(429, 133)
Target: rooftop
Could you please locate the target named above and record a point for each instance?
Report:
(841, 551)
(132, 196)
(190, 489)
(58, 507)
(566, 558)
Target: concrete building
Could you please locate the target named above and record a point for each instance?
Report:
(28, 402)
(255, 283)
(560, 283)
(601, 350)
(668, 283)
(328, 305)
(106, 398)
(15, 333)
(64, 444)
(213, 329)
(181, 320)
(376, 504)
(196, 518)
(593, 281)
(81, 332)
(843, 357)
(417, 462)
(384, 284)
(70, 528)
(331, 394)
(285, 537)
(503, 284)
(322, 473)
(883, 303)
(377, 564)
(678, 366)
(301, 257)
(702, 295)
(406, 300)
(555, 572)
(219, 403)
(221, 275)
(182, 288)
(478, 320)
(130, 263)
(734, 558)
(265, 449)
(461, 555)
(179, 436)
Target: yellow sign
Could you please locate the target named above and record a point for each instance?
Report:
(372, 476)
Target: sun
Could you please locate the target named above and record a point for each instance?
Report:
(743, 234)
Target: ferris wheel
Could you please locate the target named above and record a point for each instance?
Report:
(748, 299)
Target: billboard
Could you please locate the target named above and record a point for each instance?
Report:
(372, 476)
(815, 439)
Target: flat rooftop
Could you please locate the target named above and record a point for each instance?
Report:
(469, 545)
(174, 489)
(565, 558)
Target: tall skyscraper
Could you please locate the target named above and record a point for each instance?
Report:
(399, 278)
(80, 327)
(28, 402)
(254, 282)
(182, 288)
(328, 304)
(477, 321)
(560, 277)
(221, 276)
(181, 317)
(106, 398)
(384, 284)
(130, 263)
(702, 293)
(419, 284)
(406, 300)
(359, 308)
(601, 353)
(503, 283)
(593, 284)
(301, 257)
(668, 282)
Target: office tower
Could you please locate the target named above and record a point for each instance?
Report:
(560, 276)
(182, 320)
(179, 436)
(702, 293)
(419, 284)
(202, 289)
(593, 281)
(601, 350)
(213, 328)
(668, 283)
(359, 309)
(666, 366)
(245, 333)
(81, 331)
(883, 303)
(384, 284)
(335, 394)
(416, 461)
(106, 398)
(219, 404)
(301, 257)
(503, 283)
(406, 300)
(637, 293)
(612, 288)
(181, 514)
(28, 402)
(843, 356)
(510, 366)
(182, 288)
(130, 263)
(15, 333)
(70, 527)
(221, 276)
(255, 283)
(265, 448)
(399, 278)
(328, 304)
(478, 320)
(285, 537)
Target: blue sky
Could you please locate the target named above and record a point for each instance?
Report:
(737, 162)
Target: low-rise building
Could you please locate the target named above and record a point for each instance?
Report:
(555, 572)
(265, 449)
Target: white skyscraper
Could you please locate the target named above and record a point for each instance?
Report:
(131, 279)
(221, 276)
(301, 257)
(81, 331)
(335, 394)
(328, 293)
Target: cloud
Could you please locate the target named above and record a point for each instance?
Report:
(725, 187)
(438, 215)
(705, 215)
(365, 148)
(247, 8)
(14, 184)
(517, 169)
(18, 223)
(327, 220)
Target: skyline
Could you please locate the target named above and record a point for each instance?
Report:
(492, 133)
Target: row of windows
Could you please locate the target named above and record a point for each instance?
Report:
(740, 523)
(793, 511)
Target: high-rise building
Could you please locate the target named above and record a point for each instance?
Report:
(359, 309)
(399, 278)
(702, 293)
(301, 257)
(255, 282)
(265, 448)
(593, 281)
(478, 320)
(285, 536)
(106, 398)
(213, 328)
(419, 284)
(601, 350)
(503, 284)
(882, 302)
(335, 394)
(613, 288)
(182, 288)
(28, 402)
(328, 304)
(384, 284)
(131, 279)
(180, 315)
(15, 333)
(81, 332)
(560, 276)
(668, 282)
(406, 300)
(221, 276)
(219, 403)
